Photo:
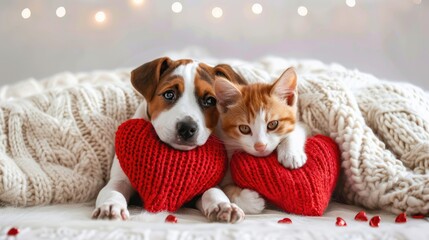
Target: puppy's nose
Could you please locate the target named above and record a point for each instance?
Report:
(260, 147)
(187, 129)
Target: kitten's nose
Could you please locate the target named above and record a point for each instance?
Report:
(260, 147)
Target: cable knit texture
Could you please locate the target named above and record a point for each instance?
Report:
(381, 128)
(164, 177)
(57, 146)
(303, 191)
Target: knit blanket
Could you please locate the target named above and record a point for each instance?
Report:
(57, 144)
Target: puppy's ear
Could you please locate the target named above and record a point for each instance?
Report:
(146, 77)
(285, 86)
(227, 93)
(226, 71)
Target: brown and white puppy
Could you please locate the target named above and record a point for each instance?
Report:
(180, 104)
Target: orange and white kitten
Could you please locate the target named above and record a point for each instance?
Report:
(258, 119)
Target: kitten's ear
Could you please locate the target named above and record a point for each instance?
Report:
(226, 93)
(285, 86)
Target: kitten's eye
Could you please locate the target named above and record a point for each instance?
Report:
(244, 129)
(169, 95)
(209, 101)
(272, 125)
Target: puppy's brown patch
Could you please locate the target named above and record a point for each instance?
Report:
(204, 80)
(158, 103)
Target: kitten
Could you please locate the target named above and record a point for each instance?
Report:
(258, 119)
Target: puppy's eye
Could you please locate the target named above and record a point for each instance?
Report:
(244, 129)
(209, 101)
(272, 125)
(220, 74)
(169, 95)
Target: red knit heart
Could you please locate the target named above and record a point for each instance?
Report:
(304, 191)
(164, 177)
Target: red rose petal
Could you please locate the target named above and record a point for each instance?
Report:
(401, 218)
(13, 231)
(171, 219)
(361, 216)
(418, 216)
(375, 221)
(340, 222)
(285, 220)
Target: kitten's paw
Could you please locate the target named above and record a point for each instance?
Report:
(112, 211)
(225, 212)
(250, 201)
(292, 159)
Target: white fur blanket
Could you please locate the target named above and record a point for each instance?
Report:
(57, 145)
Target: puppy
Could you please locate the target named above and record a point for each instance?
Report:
(179, 102)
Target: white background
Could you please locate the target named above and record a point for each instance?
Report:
(388, 38)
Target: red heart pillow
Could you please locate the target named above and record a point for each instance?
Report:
(304, 191)
(164, 177)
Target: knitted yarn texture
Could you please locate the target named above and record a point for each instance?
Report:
(304, 191)
(57, 146)
(166, 178)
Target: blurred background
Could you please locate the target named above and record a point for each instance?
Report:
(388, 38)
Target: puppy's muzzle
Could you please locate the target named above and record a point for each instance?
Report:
(187, 129)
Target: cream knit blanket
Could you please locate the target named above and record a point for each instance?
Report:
(57, 145)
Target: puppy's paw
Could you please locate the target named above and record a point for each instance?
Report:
(225, 212)
(292, 159)
(112, 211)
(250, 201)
